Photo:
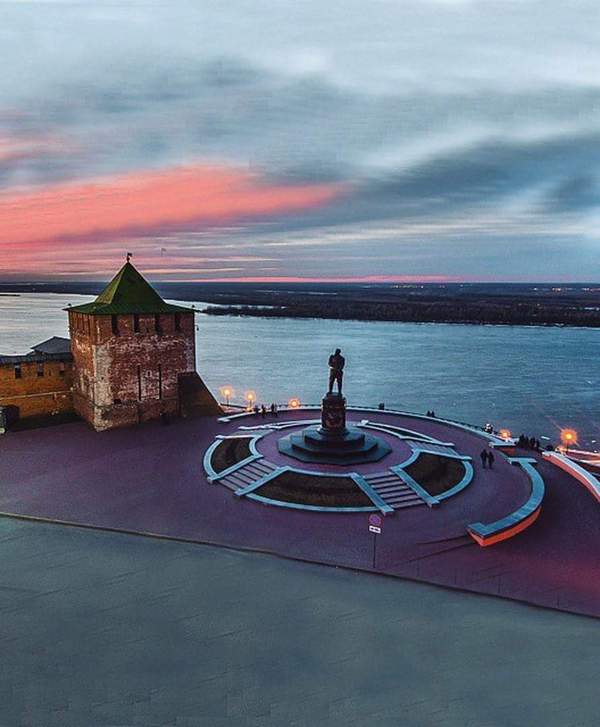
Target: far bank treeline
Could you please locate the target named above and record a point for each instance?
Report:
(518, 310)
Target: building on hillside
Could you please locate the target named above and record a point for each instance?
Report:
(134, 356)
(37, 385)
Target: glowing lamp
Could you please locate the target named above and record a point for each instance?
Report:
(505, 433)
(294, 403)
(250, 397)
(227, 392)
(568, 437)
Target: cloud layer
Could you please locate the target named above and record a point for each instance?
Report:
(415, 138)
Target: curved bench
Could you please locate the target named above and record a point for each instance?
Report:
(517, 521)
(586, 478)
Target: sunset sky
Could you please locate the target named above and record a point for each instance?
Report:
(372, 140)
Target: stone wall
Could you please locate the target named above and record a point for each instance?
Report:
(43, 389)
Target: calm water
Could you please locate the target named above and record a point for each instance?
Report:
(527, 379)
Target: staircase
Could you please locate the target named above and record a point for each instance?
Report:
(393, 491)
(247, 474)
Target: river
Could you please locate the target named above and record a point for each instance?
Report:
(527, 379)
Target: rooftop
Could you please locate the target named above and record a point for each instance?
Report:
(53, 349)
(56, 344)
(128, 292)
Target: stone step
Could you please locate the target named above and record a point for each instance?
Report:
(382, 476)
(398, 485)
(394, 492)
(401, 498)
(240, 479)
(397, 493)
(256, 469)
(386, 483)
(410, 503)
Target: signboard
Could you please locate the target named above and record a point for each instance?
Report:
(375, 523)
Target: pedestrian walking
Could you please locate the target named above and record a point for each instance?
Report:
(263, 411)
(490, 458)
(484, 457)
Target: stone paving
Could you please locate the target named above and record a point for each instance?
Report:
(150, 479)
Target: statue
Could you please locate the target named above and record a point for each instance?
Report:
(336, 371)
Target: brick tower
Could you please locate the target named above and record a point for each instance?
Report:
(134, 356)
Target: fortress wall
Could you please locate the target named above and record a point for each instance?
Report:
(37, 395)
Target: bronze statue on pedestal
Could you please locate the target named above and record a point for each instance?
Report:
(336, 371)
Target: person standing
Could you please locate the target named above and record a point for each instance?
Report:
(484, 457)
(490, 458)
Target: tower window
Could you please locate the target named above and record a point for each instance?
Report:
(157, 327)
(18, 372)
(177, 322)
(40, 370)
(136, 323)
(115, 325)
(61, 368)
(139, 377)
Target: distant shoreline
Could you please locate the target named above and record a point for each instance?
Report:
(515, 304)
(260, 312)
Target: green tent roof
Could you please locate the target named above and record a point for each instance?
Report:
(128, 292)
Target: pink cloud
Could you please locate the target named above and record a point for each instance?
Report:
(36, 222)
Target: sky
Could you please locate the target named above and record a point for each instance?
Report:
(260, 139)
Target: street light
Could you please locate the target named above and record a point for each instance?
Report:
(568, 437)
(505, 434)
(294, 403)
(250, 397)
(227, 392)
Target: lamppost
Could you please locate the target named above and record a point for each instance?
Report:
(250, 397)
(568, 437)
(227, 392)
(294, 403)
(505, 434)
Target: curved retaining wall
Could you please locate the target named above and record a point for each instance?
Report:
(517, 521)
(586, 478)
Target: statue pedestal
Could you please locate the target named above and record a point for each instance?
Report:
(333, 442)
(333, 415)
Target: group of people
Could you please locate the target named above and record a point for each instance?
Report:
(262, 410)
(430, 414)
(529, 443)
(487, 458)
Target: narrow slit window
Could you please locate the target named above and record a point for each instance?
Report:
(177, 322)
(160, 381)
(139, 377)
(157, 324)
(136, 323)
(40, 370)
(115, 325)
(18, 372)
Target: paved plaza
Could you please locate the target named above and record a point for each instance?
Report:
(150, 479)
(104, 629)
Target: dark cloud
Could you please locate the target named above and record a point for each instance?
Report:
(575, 193)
